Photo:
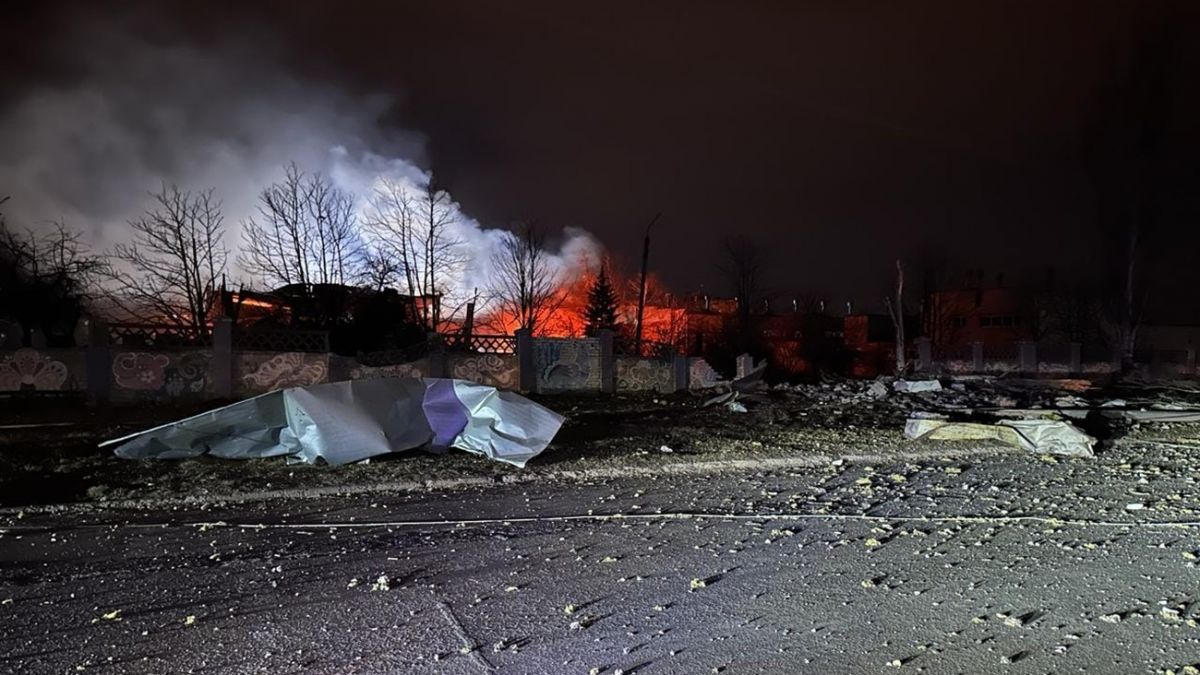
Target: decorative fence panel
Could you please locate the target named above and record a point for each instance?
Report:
(1054, 358)
(41, 371)
(280, 340)
(496, 370)
(260, 372)
(350, 368)
(158, 375)
(481, 344)
(130, 363)
(641, 374)
(567, 364)
(1001, 358)
(156, 336)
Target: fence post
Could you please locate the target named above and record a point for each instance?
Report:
(924, 355)
(1076, 358)
(745, 364)
(1027, 356)
(98, 358)
(526, 361)
(977, 356)
(682, 373)
(437, 355)
(608, 362)
(221, 366)
(1190, 361)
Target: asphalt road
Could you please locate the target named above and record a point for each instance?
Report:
(1010, 563)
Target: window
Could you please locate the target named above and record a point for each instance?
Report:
(1001, 321)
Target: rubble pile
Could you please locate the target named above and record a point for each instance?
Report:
(1065, 417)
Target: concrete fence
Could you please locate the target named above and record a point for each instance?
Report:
(1047, 359)
(127, 367)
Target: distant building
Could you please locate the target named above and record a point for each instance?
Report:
(795, 340)
(705, 321)
(954, 318)
(870, 341)
(324, 304)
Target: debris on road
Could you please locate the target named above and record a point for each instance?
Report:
(345, 422)
(1036, 435)
(916, 387)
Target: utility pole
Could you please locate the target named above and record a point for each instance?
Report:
(637, 338)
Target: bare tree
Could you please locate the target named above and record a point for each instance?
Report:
(525, 285)
(1125, 156)
(413, 229)
(379, 270)
(305, 233)
(896, 311)
(743, 264)
(174, 260)
(45, 279)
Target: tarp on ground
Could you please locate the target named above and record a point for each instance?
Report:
(344, 422)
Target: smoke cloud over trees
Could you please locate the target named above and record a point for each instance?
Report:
(292, 164)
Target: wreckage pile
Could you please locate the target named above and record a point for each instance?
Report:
(1065, 417)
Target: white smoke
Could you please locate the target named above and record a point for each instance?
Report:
(134, 114)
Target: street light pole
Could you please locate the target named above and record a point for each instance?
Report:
(637, 337)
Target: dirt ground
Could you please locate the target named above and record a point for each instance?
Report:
(59, 464)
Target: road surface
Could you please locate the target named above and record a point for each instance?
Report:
(1010, 563)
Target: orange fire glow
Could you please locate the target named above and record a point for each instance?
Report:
(664, 316)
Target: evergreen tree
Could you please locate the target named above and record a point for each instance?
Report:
(601, 312)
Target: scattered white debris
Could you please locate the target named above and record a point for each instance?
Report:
(916, 387)
(114, 615)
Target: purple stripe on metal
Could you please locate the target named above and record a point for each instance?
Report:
(447, 415)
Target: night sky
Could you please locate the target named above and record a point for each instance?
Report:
(840, 135)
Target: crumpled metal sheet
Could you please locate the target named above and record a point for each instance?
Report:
(344, 422)
(1036, 435)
